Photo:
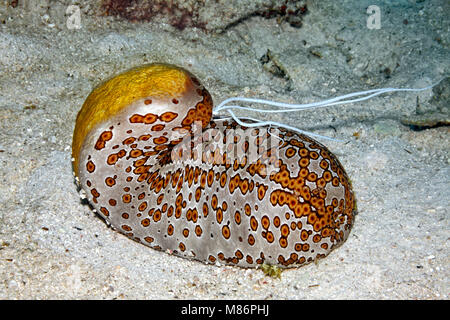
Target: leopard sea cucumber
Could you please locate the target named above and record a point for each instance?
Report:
(213, 206)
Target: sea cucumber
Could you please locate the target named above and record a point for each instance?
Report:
(289, 206)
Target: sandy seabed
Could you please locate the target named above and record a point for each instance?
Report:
(53, 247)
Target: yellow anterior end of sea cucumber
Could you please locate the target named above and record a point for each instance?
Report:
(115, 94)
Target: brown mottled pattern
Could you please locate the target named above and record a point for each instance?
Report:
(231, 211)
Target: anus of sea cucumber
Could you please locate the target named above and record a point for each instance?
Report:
(212, 206)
